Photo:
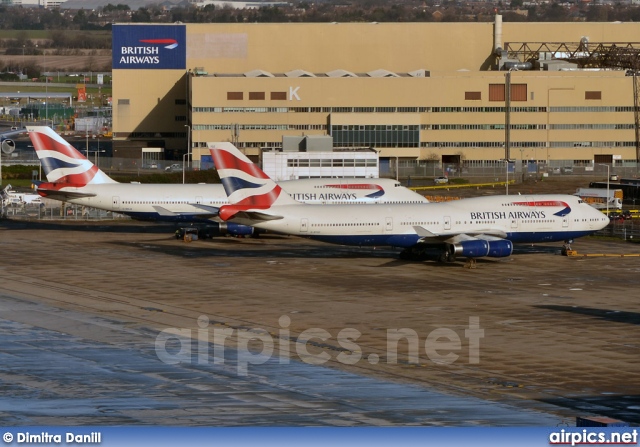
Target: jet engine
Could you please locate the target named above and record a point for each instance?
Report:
(7, 146)
(216, 229)
(477, 248)
(500, 249)
(235, 229)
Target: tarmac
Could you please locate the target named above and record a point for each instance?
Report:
(121, 324)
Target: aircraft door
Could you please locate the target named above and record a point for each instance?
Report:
(198, 200)
(388, 224)
(530, 202)
(447, 222)
(116, 202)
(514, 223)
(565, 222)
(304, 225)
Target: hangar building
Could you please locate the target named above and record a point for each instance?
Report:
(411, 91)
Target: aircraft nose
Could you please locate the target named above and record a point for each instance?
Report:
(603, 220)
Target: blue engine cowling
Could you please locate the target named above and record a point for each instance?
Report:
(500, 249)
(470, 249)
(235, 229)
(216, 229)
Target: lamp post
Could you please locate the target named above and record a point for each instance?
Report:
(607, 166)
(46, 87)
(506, 177)
(188, 150)
(506, 181)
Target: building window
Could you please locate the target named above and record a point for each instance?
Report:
(258, 96)
(518, 92)
(181, 118)
(180, 102)
(234, 96)
(592, 95)
(496, 92)
(123, 102)
(278, 96)
(472, 96)
(376, 135)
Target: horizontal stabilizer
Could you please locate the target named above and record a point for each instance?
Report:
(255, 216)
(57, 194)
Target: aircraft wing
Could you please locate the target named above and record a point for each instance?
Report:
(452, 237)
(207, 212)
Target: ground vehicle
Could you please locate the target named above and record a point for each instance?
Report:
(566, 170)
(187, 233)
(151, 165)
(440, 180)
(616, 216)
(597, 197)
(174, 167)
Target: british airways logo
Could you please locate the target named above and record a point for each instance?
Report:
(172, 43)
(535, 213)
(146, 54)
(149, 46)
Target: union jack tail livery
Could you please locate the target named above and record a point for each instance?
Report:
(61, 162)
(246, 185)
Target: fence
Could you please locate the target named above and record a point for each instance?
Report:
(628, 229)
(53, 210)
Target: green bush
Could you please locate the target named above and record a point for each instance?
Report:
(18, 172)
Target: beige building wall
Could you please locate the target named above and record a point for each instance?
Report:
(539, 132)
(150, 105)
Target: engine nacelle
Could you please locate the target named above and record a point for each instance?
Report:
(470, 249)
(236, 229)
(500, 249)
(7, 146)
(215, 229)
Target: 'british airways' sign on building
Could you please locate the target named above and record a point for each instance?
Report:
(149, 47)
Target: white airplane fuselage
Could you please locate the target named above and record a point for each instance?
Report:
(519, 219)
(184, 202)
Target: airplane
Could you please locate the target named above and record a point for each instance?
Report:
(471, 228)
(72, 178)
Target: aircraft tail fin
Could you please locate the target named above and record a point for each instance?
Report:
(61, 162)
(247, 186)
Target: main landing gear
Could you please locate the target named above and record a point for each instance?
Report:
(566, 247)
(446, 256)
(427, 253)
